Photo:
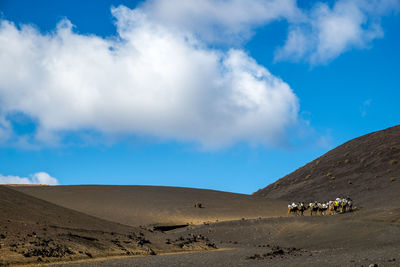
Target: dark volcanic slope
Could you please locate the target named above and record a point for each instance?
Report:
(144, 205)
(33, 230)
(18, 207)
(366, 168)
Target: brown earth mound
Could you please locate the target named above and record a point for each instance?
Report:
(366, 168)
(34, 230)
(154, 205)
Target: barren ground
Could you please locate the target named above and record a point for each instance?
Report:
(127, 225)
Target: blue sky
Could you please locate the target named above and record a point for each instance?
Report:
(225, 95)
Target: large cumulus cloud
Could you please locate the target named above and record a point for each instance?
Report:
(148, 80)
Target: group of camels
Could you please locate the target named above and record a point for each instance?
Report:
(340, 205)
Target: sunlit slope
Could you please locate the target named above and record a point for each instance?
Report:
(143, 205)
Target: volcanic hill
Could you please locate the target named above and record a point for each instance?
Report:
(366, 168)
(36, 231)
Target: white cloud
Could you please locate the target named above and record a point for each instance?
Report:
(317, 36)
(364, 107)
(149, 80)
(5, 130)
(329, 31)
(221, 21)
(37, 178)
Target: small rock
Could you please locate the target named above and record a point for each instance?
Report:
(152, 252)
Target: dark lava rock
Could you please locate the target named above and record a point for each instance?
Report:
(56, 251)
(255, 257)
(152, 252)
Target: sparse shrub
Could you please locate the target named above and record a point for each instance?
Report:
(347, 161)
(347, 154)
(328, 174)
(362, 160)
(392, 179)
(333, 177)
(393, 162)
(308, 177)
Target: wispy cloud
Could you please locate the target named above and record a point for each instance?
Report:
(364, 107)
(215, 21)
(317, 35)
(328, 31)
(36, 178)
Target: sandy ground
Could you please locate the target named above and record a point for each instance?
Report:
(152, 205)
(365, 236)
(340, 240)
(36, 231)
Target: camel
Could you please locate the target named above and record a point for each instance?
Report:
(347, 205)
(313, 208)
(292, 209)
(302, 208)
(322, 208)
(350, 205)
(336, 207)
(332, 209)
